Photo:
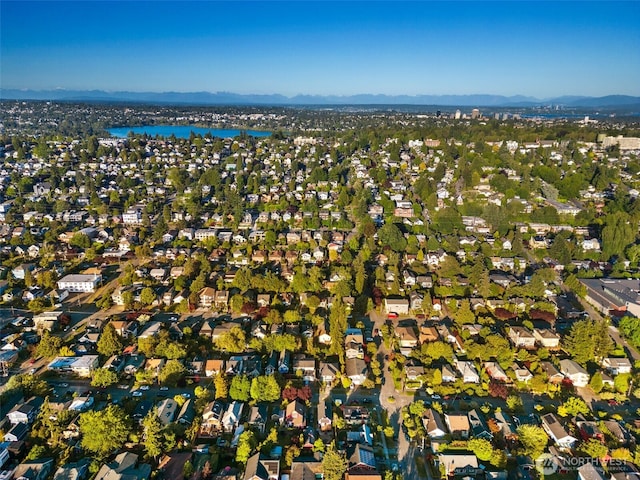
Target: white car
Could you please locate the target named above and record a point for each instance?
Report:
(435, 397)
(137, 393)
(144, 387)
(186, 395)
(164, 389)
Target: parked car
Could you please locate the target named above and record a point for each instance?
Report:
(144, 387)
(392, 315)
(136, 393)
(164, 389)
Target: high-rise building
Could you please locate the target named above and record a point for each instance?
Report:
(457, 115)
(475, 113)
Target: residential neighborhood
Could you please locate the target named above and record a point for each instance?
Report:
(440, 297)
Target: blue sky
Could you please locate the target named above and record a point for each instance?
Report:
(541, 49)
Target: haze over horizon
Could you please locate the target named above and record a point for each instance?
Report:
(541, 49)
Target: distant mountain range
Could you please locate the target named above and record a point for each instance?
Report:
(228, 98)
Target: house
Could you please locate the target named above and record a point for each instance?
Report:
(355, 414)
(17, 433)
(574, 372)
(522, 373)
(413, 373)
(296, 414)
(221, 299)
(620, 433)
(259, 467)
(354, 343)
(546, 338)
(47, 320)
(521, 337)
(459, 465)
(258, 417)
(557, 432)
(206, 297)
(38, 469)
(172, 465)
(396, 305)
(467, 371)
(306, 468)
(616, 365)
(284, 360)
(407, 337)
(25, 412)
(231, 416)
(495, 372)
(72, 471)
(213, 367)
(356, 370)
(589, 471)
(448, 374)
(433, 424)
(305, 367)
(187, 413)
(362, 463)
(478, 425)
(327, 372)
(505, 423)
(322, 333)
(79, 283)
(428, 334)
(553, 374)
(124, 466)
(167, 409)
(212, 417)
(458, 425)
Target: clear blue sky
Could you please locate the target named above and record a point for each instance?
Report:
(541, 49)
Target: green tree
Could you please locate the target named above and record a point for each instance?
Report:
(220, 385)
(152, 434)
(589, 340)
(104, 431)
(390, 235)
(464, 315)
(171, 373)
(334, 463)
(36, 452)
(621, 382)
(438, 350)
(147, 296)
(246, 445)
(103, 377)
(240, 388)
(49, 345)
(533, 440)
(233, 341)
(514, 403)
(573, 406)
(109, 342)
(594, 448)
(483, 449)
(617, 234)
(596, 382)
(265, 388)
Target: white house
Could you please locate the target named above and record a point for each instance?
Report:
(574, 372)
(79, 283)
(616, 365)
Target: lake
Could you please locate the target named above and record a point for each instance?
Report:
(182, 131)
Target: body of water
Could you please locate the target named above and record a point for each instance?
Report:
(182, 131)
